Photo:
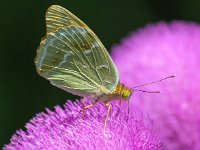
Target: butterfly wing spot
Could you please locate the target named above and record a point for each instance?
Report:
(103, 66)
(55, 61)
(108, 82)
(88, 51)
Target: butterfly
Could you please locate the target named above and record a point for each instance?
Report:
(73, 58)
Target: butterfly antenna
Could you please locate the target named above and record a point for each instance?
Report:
(147, 91)
(154, 82)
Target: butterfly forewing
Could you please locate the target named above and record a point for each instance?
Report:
(57, 16)
(74, 59)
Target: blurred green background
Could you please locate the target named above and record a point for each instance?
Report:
(23, 93)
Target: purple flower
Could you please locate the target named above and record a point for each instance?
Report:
(65, 129)
(157, 51)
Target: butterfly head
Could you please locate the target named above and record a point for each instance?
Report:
(123, 91)
(126, 93)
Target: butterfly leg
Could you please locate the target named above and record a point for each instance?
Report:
(83, 101)
(86, 107)
(128, 106)
(108, 112)
(120, 102)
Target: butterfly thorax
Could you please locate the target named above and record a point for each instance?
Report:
(121, 92)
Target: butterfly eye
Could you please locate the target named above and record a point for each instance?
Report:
(126, 94)
(55, 61)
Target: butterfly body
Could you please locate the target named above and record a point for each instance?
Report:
(120, 92)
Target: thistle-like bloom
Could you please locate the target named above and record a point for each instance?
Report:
(157, 51)
(64, 129)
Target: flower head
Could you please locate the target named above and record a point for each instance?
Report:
(64, 129)
(157, 51)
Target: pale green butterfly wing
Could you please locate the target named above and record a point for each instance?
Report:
(74, 59)
(57, 16)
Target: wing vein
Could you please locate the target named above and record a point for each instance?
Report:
(85, 74)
